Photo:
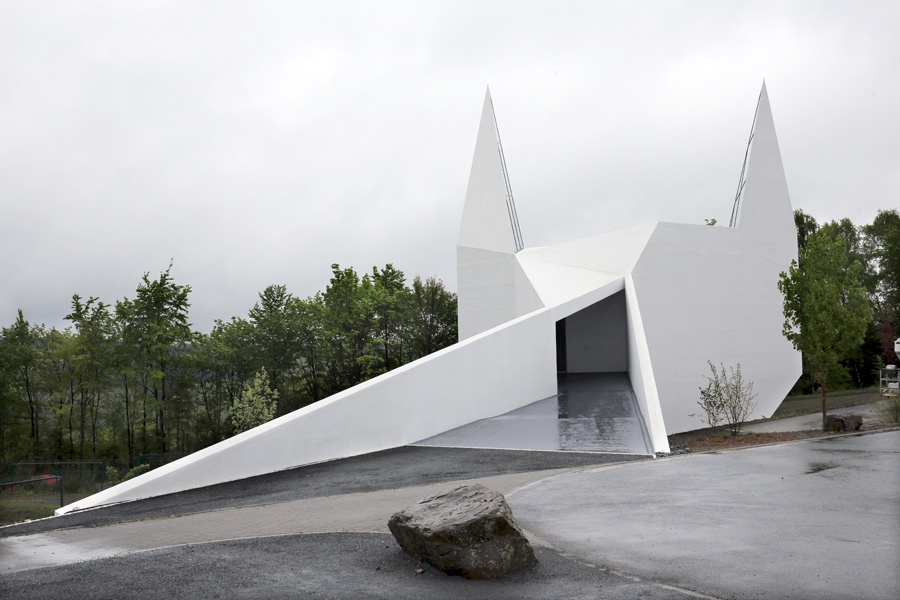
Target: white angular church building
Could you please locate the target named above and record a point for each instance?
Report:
(644, 308)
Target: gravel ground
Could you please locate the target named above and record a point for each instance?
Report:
(323, 566)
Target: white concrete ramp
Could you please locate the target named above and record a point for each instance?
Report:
(593, 412)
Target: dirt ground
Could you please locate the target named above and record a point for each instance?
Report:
(719, 438)
(707, 440)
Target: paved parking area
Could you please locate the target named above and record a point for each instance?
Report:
(812, 519)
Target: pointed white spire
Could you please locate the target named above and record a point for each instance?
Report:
(488, 220)
(763, 202)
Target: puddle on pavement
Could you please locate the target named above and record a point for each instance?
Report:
(818, 467)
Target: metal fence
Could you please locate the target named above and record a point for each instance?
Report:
(33, 490)
(32, 498)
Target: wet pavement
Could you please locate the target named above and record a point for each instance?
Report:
(594, 412)
(322, 566)
(811, 519)
(389, 469)
(366, 511)
(809, 422)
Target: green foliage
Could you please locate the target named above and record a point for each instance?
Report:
(112, 473)
(888, 409)
(806, 226)
(882, 248)
(256, 404)
(727, 398)
(134, 378)
(826, 307)
(433, 317)
(135, 471)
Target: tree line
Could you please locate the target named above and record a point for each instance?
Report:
(133, 377)
(842, 300)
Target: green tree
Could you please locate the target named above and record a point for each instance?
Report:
(826, 307)
(14, 431)
(91, 364)
(277, 338)
(223, 362)
(23, 346)
(308, 317)
(387, 297)
(256, 405)
(159, 335)
(806, 227)
(348, 320)
(432, 317)
(882, 244)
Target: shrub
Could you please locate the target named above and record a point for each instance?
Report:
(138, 470)
(112, 474)
(256, 404)
(888, 409)
(727, 398)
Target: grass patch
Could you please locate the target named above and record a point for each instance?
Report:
(796, 406)
(16, 513)
(16, 507)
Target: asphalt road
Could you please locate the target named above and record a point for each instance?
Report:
(396, 468)
(814, 519)
(326, 566)
(806, 520)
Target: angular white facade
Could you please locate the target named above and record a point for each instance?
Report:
(692, 293)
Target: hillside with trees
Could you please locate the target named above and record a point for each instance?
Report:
(133, 378)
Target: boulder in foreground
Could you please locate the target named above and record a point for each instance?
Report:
(843, 422)
(467, 531)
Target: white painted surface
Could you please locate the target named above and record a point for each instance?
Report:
(493, 289)
(485, 220)
(709, 293)
(487, 375)
(693, 293)
(640, 371)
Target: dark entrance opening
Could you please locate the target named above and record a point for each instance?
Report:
(595, 339)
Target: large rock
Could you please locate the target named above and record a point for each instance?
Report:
(468, 531)
(843, 422)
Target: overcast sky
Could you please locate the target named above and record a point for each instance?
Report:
(259, 142)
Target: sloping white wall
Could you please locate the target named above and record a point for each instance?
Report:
(710, 293)
(492, 289)
(641, 374)
(485, 376)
